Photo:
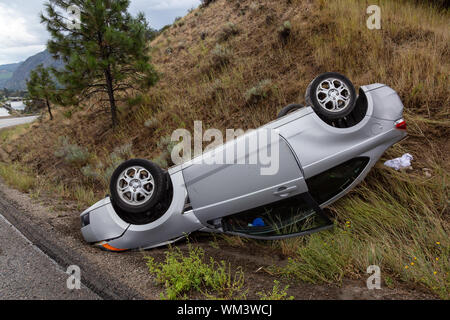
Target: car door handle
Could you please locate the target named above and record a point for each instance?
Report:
(285, 191)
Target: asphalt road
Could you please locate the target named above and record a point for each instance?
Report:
(10, 122)
(27, 273)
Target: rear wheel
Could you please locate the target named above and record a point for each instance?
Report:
(331, 95)
(137, 186)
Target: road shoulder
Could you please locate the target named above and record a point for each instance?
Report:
(109, 275)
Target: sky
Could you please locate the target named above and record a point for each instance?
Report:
(22, 35)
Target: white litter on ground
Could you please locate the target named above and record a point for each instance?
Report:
(399, 163)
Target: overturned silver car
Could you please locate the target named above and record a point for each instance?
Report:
(322, 151)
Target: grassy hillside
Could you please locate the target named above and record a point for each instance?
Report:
(235, 64)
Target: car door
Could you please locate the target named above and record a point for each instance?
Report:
(219, 189)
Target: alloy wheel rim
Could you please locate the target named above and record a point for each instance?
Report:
(333, 95)
(135, 186)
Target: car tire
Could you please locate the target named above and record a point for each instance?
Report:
(331, 95)
(288, 109)
(137, 186)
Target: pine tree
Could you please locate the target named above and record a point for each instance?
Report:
(42, 88)
(104, 53)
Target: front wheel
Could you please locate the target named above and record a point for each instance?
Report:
(137, 186)
(331, 95)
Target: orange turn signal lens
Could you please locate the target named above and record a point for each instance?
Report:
(111, 248)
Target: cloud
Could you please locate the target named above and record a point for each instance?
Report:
(162, 12)
(173, 4)
(22, 34)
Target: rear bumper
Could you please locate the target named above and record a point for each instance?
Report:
(102, 226)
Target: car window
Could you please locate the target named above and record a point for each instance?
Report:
(286, 217)
(329, 184)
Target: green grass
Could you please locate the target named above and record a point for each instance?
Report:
(8, 134)
(399, 226)
(182, 274)
(17, 176)
(85, 196)
(277, 293)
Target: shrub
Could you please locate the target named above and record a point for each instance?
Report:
(68, 114)
(181, 274)
(72, 153)
(276, 294)
(162, 160)
(259, 92)
(166, 146)
(285, 31)
(221, 56)
(205, 3)
(151, 123)
(123, 151)
(136, 100)
(89, 172)
(217, 88)
(103, 174)
(228, 31)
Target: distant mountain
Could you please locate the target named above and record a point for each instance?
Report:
(18, 80)
(6, 72)
(10, 67)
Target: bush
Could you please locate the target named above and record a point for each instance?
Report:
(103, 173)
(89, 172)
(205, 3)
(285, 31)
(72, 153)
(276, 294)
(228, 31)
(151, 123)
(166, 146)
(136, 100)
(261, 91)
(181, 274)
(162, 160)
(123, 151)
(221, 56)
(68, 114)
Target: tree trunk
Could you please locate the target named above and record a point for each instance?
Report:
(49, 109)
(112, 100)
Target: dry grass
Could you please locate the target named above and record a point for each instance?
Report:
(17, 176)
(402, 227)
(394, 217)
